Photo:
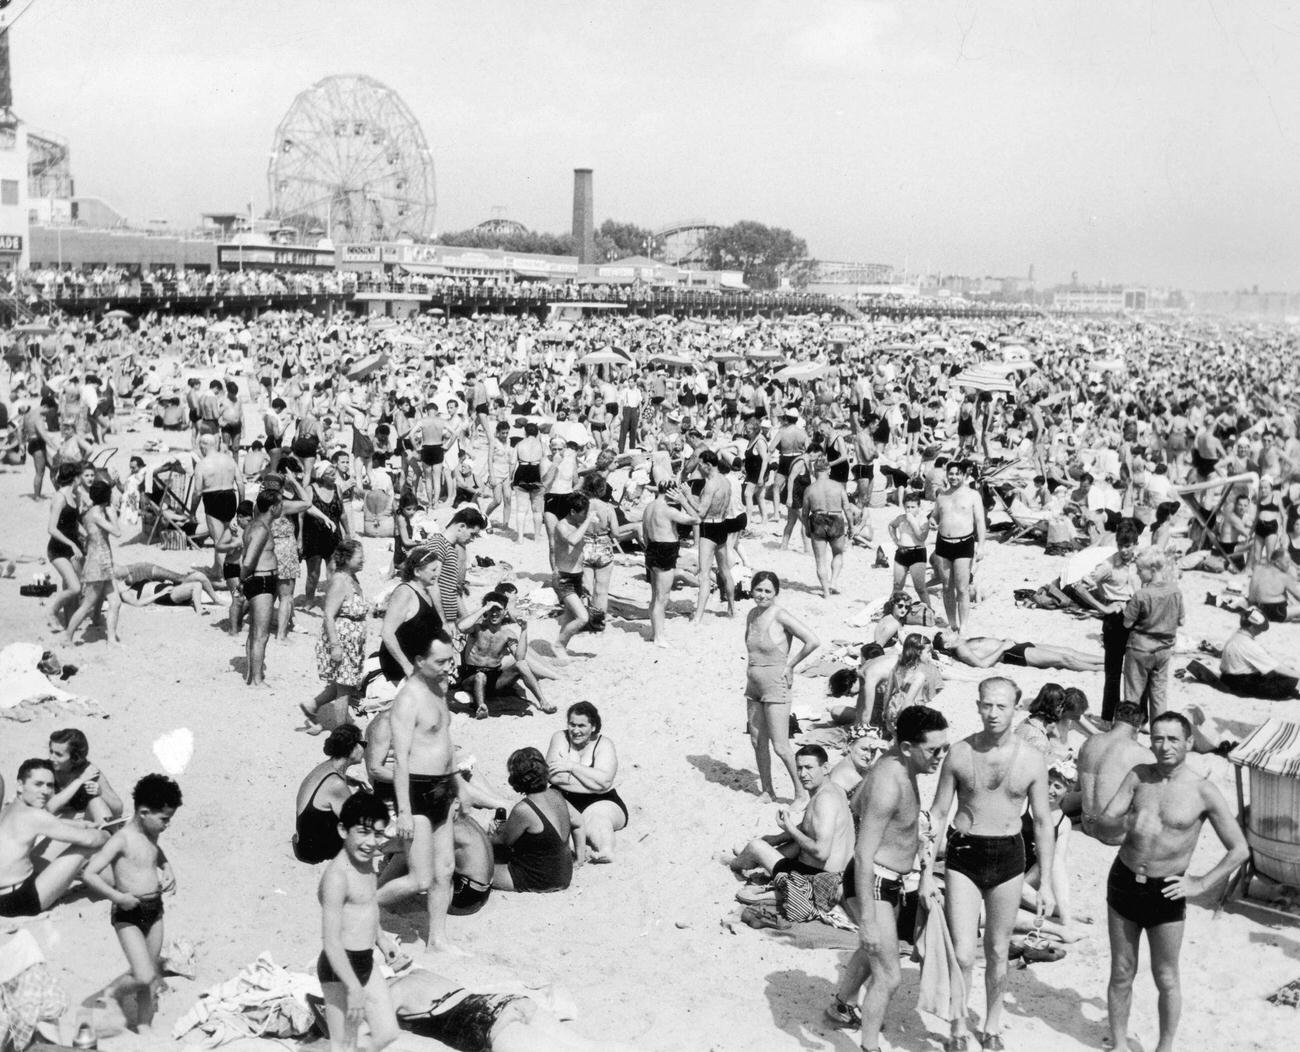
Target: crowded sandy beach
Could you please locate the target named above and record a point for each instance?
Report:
(359, 634)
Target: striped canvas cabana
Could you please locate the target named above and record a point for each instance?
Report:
(1270, 812)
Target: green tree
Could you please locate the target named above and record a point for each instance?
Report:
(526, 241)
(761, 252)
(616, 240)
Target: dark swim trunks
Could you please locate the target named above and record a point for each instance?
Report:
(220, 504)
(954, 548)
(796, 865)
(362, 962)
(883, 888)
(1142, 900)
(987, 861)
(466, 1026)
(305, 446)
(259, 584)
(556, 504)
(907, 557)
(468, 895)
(21, 900)
(662, 555)
(144, 916)
(716, 532)
(432, 796)
(1275, 612)
(431, 455)
(581, 801)
(567, 584)
(1016, 655)
(826, 526)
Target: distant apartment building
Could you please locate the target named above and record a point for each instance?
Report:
(1099, 301)
(846, 279)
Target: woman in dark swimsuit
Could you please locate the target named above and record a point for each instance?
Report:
(322, 793)
(584, 765)
(533, 843)
(319, 537)
(526, 481)
(412, 618)
(63, 549)
(756, 462)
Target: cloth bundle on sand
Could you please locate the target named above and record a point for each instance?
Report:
(26, 691)
(263, 1000)
(29, 994)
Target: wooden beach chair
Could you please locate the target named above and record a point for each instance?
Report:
(1270, 812)
(1203, 521)
(165, 508)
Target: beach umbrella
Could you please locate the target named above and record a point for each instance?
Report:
(1005, 368)
(674, 360)
(977, 380)
(512, 379)
(367, 367)
(762, 354)
(119, 313)
(405, 339)
(664, 317)
(804, 371)
(726, 356)
(381, 323)
(606, 356)
(35, 328)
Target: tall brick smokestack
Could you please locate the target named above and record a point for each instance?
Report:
(584, 223)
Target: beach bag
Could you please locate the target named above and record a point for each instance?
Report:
(920, 615)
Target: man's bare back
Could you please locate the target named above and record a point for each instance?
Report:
(1104, 760)
(829, 808)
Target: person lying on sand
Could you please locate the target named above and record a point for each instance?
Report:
(986, 651)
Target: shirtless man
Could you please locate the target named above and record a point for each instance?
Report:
(712, 507)
(790, 442)
(219, 485)
(959, 516)
(25, 822)
(567, 548)
(490, 636)
(257, 579)
(991, 774)
(431, 434)
(662, 546)
(825, 515)
(424, 783)
(864, 471)
(888, 808)
(1160, 807)
(1104, 760)
(987, 651)
(819, 841)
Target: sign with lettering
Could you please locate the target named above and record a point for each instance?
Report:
(11, 243)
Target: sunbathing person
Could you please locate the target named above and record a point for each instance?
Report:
(431, 1006)
(489, 636)
(189, 591)
(80, 788)
(1061, 923)
(534, 840)
(584, 765)
(986, 651)
(25, 824)
(818, 841)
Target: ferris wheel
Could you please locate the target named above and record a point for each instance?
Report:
(349, 159)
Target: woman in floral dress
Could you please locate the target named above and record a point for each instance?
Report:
(341, 650)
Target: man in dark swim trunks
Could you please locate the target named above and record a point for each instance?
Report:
(424, 783)
(1162, 807)
(991, 775)
(987, 651)
(219, 486)
(24, 823)
(662, 545)
(959, 516)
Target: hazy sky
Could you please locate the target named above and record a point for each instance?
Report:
(1155, 142)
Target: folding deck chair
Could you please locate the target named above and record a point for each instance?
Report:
(1206, 520)
(167, 502)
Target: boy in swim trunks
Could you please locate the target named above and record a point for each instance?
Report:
(348, 895)
(909, 532)
(141, 876)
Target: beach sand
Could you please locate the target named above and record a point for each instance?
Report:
(642, 945)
